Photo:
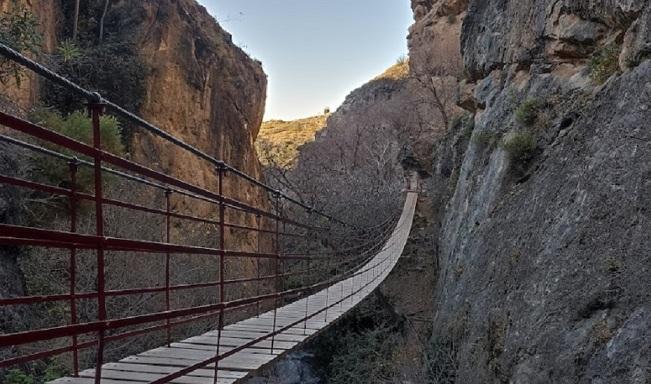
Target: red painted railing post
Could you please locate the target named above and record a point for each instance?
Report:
(168, 218)
(341, 298)
(221, 170)
(283, 266)
(96, 110)
(352, 288)
(307, 299)
(258, 218)
(277, 267)
(74, 164)
(328, 273)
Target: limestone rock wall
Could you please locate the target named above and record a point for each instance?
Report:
(24, 95)
(543, 264)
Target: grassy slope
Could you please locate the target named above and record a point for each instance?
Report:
(278, 140)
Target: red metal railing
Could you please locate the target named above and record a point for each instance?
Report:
(272, 228)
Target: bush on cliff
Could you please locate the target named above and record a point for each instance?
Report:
(18, 30)
(527, 112)
(520, 147)
(604, 63)
(76, 125)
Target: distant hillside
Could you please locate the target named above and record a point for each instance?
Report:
(278, 140)
(399, 71)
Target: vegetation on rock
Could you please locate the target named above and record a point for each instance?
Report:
(527, 112)
(520, 146)
(605, 63)
(278, 140)
(18, 30)
(78, 126)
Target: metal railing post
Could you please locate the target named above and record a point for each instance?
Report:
(352, 288)
(168, 217)
(277, 196)
(307, 299)
(73, 165)
(328, 273)
(341, 298)
(221, 169)
(257, 260)
(96, 109)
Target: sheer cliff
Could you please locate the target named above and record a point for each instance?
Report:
(542, 194)
(197, 85)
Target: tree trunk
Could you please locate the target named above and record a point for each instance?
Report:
(75, 25)
(101, 20)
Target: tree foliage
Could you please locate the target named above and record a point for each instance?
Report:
(78, 126)
(19, 30)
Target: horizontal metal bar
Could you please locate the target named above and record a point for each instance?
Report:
(19, 235)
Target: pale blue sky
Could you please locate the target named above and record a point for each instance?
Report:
(315, 51)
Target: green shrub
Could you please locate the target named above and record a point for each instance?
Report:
(527, 112)
(293, 282)
(605, 63)
(452, 18)
(77, 126)
(16, 376)
(69, 51)
(19, 30)
(486, 139)
(520, 147)
(40, 372)
(114, 69)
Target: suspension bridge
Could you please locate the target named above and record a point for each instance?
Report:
(248, 316)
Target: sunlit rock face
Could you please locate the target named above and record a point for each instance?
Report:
(543, 259)
(204, 90)
(25, 94)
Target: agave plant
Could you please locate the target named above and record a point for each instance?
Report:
(69, 51)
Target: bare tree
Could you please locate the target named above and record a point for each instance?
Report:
(102, 19)
(439, 84)
(75, 22)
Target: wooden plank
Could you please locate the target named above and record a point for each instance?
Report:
(250, 335)
(185, 354)
(83, 380)
(127, 367)
(243, 363)
(230, 342)
(280, 323)
(162, 361)
(294, 331)
(148, 377)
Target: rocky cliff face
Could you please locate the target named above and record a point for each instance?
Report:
(542, 195)
(202, 88)
(26, 95)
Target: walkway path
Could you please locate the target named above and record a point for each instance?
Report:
(255, 334)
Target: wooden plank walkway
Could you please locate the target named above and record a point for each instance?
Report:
(338, 299)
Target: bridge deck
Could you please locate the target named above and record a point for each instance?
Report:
(324, 307)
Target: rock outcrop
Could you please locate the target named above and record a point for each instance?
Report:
(202, 88)
(26, 95)
(542, 195)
